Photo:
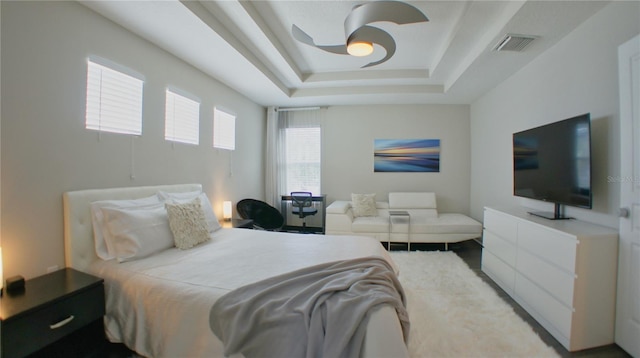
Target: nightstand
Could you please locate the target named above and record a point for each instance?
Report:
(51, 307)
(238, 223)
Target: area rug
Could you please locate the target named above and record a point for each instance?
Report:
(454, 313)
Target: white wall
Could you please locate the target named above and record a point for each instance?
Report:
(46, 150)
(348, 135)
(577, 75)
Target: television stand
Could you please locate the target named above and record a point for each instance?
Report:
(557, 214)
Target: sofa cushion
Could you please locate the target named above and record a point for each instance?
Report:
(370, 224)
(449, 223)
(364, 205)
(412, 200)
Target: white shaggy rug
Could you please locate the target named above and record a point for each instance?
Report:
(454, 313)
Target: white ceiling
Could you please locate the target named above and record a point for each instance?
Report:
(248, 46)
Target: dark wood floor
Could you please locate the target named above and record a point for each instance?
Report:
(471, 252)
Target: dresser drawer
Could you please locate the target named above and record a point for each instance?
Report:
(545, 306)
(500, 247)
(554, 246)
(502, 225)
(28, 333)
(499, 271)
(549, 277)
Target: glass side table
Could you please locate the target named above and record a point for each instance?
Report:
(393, 216)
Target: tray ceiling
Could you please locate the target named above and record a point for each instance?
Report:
(248, 46)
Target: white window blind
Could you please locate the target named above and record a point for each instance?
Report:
(114, 100)
(224, 130)
(182, 119)
(303, 148)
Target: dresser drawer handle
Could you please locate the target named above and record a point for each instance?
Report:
(62, 323)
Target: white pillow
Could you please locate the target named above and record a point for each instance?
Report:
(188, 224)
(101, 236)
(138, 232)
(181, 198)
(364, 205)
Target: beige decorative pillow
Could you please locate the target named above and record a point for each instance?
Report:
(364, 205)
(188, 223)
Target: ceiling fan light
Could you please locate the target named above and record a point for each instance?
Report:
(360, 48)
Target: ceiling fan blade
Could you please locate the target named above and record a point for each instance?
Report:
(377, 36)
(356, 28)
(392, 11)
(302, 36)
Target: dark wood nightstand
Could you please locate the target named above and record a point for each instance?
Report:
(51, 307)
(238, 223)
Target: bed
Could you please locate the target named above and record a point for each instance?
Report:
(160, 305)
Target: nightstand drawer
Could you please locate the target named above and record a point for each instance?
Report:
(39, 328)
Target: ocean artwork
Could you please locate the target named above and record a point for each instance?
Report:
(406, 155)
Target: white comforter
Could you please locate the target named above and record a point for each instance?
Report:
(159, 306)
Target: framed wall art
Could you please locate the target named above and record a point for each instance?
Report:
(406, 155)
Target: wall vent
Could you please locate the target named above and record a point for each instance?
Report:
(513, 42)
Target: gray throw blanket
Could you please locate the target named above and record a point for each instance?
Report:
(319, 311)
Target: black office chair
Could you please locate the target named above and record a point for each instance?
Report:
(264, 216)
(301, 202)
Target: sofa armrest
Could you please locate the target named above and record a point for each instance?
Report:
(339, 217)
(338, 207)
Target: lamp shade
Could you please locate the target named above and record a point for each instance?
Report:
(226, 210)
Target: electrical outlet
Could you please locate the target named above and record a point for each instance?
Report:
(52, 268)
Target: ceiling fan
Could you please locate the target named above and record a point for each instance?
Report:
(360, 37)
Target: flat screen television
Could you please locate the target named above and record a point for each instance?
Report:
(552, 163)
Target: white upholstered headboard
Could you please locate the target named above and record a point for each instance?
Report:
(79, 249)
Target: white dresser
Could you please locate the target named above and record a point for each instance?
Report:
(563, 272)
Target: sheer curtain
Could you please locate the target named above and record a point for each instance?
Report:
(293, 154)
(274, 161)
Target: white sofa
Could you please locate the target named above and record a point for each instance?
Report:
(425, 223)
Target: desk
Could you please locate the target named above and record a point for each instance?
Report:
(315, 223)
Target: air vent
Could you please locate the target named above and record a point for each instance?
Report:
(512, 42)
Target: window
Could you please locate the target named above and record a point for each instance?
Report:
(182, 116)
(114, 100)
(293, 152)
(224, 130)
(302, 156)
(299, 150)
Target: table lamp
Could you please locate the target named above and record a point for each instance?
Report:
(1, 275)
(226, 210)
